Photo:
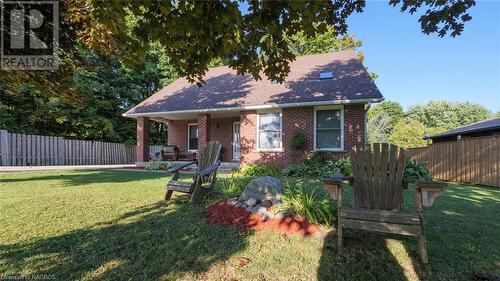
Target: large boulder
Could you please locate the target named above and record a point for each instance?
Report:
(263, 188)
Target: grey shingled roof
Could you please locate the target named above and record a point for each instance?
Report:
(483, 126)
(225, 89)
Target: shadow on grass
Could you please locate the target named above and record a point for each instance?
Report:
(84, 177)
(461, 235)
(151, 242)
(365, 256)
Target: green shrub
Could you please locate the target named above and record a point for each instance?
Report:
(416, 171)
(312, 203)
(257, 170)
(342, 164)
(155, 166)
(298, 140)
(302, 170)
(319, 166)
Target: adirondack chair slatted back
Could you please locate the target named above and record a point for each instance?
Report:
(208, 156)
(378, 172)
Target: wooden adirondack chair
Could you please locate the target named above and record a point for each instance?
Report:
(377, 205)
(205, 177)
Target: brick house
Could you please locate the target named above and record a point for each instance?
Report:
(325, 96)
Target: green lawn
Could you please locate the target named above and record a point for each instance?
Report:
(114, 225)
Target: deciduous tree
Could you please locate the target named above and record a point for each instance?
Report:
(447, 114)
(408, 134)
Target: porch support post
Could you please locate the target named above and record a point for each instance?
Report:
(142, 139)
(203, 129)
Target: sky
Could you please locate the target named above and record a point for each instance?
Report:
(415, 68)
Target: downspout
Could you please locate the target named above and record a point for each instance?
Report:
(367, 107)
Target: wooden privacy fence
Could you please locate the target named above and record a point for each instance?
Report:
(475, 160)
(34, 150)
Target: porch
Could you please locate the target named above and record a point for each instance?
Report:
(187, 132)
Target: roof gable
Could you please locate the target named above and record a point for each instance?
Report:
(224, 88)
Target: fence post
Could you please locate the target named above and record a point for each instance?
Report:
(60, 150)
(4, 147)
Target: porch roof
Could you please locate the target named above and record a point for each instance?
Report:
(225, 90)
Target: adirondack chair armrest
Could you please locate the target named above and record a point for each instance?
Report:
(211, 169)
(180, 167)
(333, 186)
(427, 191)
(350, 179)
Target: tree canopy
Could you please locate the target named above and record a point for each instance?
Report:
(254, 41)
(387, 122)
(105, 89)
(447, 114)
(250, 36)
(408, 134)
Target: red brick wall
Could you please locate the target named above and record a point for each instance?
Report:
(203, 129)
(297, 118)
(294, 119)
(178, 133)
(354, 126)
(248, 132)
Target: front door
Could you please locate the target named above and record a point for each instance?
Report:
(236, 140)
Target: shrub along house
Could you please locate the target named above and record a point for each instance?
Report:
(325, 97)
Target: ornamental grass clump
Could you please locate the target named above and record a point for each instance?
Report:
(231, 187)
(310, 202)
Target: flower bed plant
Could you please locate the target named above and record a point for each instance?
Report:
(257, 170)
(318, 166)
(416, 171)
(157, 166)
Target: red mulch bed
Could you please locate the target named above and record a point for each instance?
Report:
(225, 214)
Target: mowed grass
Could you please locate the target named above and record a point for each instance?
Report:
(95, 225)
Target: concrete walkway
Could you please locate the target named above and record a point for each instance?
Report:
(65, 167)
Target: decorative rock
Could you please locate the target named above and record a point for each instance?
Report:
(263, 188)
(244, 205)
(249, 208)
(283, 214)
(266, 203)
(261, 210)
(233, 201)
(256, 208)
(239, 204)
(251, 202)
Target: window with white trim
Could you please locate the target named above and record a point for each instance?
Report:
(192, 136)
(269, 131)
(328, 129)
